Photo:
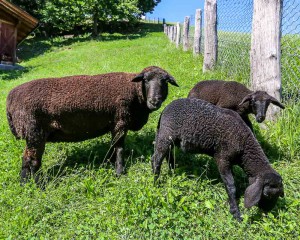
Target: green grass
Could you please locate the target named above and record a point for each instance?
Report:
(84, 200)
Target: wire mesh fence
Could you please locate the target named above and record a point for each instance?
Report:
(234, 38)
(234, 27)
(290, 50)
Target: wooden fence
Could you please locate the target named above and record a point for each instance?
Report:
(265, 43)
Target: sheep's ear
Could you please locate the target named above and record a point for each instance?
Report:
(246, 99)
(276, 102)
(138, 78)
(172, 81)
(253, 193)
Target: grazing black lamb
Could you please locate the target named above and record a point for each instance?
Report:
(197, 126)
(77, 108)
(235, 96)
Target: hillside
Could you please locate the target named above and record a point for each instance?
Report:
(84, 199)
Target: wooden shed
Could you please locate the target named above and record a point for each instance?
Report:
(15, 26)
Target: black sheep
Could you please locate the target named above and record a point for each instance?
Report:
(77, 108)
(197, 126)
(235, 96)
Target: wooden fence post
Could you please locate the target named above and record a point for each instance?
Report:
(210, 34)
(186, 29)
(171, 33)
(197, 36)
(178, 35)
(174, 34)
(265, 50)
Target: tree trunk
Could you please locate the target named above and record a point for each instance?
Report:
(95, 23)
(265, 50)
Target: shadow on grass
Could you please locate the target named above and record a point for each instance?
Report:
(280, 206)
(272, 152)
(204, 167)
(96, 154)
(138, 145)
(13, 74)
(37, 46)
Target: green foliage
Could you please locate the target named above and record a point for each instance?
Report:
(83, 199)
(31, 6)
(63, 16)
(148, 5)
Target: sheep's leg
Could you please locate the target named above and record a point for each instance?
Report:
(118, 139)
(227, 177)
(161, 150)
(31, 162)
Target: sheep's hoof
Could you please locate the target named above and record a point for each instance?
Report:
(238, 217)
(24, 176)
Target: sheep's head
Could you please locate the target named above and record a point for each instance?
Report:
(264, 191)
(259, 102)
(155, 85)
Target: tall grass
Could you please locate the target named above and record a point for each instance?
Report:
(83, 198)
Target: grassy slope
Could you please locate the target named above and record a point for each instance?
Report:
(84, 198)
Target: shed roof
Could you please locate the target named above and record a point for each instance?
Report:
(11, 14)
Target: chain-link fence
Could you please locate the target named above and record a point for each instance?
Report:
(290, 50)
(234, 24)
(234, 27)
(234, 36)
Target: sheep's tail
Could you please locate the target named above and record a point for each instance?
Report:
(11, 125)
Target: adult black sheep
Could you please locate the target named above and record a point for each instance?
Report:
(77, 108)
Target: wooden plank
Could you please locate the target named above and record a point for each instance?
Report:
(7, 22)
(265, 50)
(7, 40)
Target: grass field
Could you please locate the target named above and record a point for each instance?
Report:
(84, 200)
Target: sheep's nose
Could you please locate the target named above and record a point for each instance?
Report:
(155, 101)
(260, 119)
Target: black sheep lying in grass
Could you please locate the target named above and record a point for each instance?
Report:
(197, 126)
(76, 108)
